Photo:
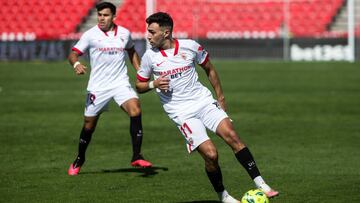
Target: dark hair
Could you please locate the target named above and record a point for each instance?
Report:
(104, 5)
(161, 18)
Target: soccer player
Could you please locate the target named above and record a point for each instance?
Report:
(107, 43)
(191, 105)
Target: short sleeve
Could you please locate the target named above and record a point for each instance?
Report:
(145, 71)
(130, 43)
(202, 56)
(82, 45)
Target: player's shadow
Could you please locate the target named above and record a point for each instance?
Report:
(202, 201)
(144, 172)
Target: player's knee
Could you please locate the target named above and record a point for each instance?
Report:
(135, 111)
(212, 156)
(89, 124)
(211, 161)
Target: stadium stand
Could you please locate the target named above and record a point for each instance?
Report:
(236, 19)
(53, 19)
(312, 18)
(41, 19)
(131, 14)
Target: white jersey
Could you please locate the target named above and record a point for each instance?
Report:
(107, 56)
(186, 93)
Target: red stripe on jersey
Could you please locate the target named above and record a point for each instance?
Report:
(200, 48)
(115, 28)
(141, 79)
(77, 51)
(206, 60)
(102, 30)
(162, 51)
(176, 47)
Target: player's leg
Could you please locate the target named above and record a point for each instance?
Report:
(209, 153)
(132, 108)
(95, 104)
(215, 119)
(84, 141)
(226, 131)
(196, 138)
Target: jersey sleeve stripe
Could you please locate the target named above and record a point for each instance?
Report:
(77, 51)
(206, 60)
(176, 47)
(141, 79)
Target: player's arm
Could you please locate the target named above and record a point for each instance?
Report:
(161, 83)
(215, 82)
(134, 58)
(143, 86)
(75, 63)
(143, 83)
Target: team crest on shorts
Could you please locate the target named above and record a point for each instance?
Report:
(190, 141)
(90, 99)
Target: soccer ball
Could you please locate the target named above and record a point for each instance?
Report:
(254, 196)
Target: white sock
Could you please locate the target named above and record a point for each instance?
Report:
(260, 183)
(222, 194)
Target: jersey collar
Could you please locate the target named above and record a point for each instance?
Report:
(106, 33)
(175, 51)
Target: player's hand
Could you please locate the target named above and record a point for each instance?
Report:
(162, 83)
(80, 69)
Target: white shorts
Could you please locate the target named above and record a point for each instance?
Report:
(97, 102)
(193, 125)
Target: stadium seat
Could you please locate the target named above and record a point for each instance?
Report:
(308, 18)
(55, 17)
(192, 18)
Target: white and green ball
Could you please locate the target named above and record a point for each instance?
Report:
(254, 196)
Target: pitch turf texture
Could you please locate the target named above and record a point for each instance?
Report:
(301, 121)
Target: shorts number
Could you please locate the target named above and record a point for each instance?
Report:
(185, 127)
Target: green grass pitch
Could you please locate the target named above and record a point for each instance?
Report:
(300, 120)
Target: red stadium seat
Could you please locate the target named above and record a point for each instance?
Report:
(192, 17)
(46, 18)
(196, 19)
